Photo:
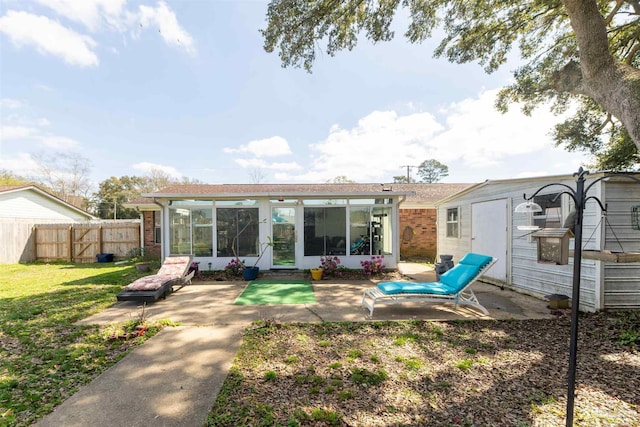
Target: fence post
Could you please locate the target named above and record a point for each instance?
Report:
(34, 244)
(70, 244)
(100, 239)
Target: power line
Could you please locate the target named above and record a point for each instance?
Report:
(408, 172)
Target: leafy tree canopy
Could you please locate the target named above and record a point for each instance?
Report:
(340, 179)
(403, 179)
(586, 51)
(113, 192)
(9, 178)
(432, 171)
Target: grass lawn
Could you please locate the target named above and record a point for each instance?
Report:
(420, 373)
(44, 357)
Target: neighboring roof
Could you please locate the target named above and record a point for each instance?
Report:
(6, 189)
(142, 203)
(539, 179)
(429, 193)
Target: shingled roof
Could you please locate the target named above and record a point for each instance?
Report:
(416, 194)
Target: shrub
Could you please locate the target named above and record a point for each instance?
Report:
(234, 268)
(374, 266)
(331, 266)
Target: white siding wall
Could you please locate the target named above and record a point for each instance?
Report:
(622, 280)
(29, 204)
(527, 275)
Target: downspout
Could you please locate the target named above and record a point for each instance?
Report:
(397, 237)
(164, 233)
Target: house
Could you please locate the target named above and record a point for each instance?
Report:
(305, 222)
(29, 203)
(482, 219)
(23, 206)
(418, 218)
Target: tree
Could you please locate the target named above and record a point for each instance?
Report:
(586, 51)
(341, 179)
(432, 171)
(403, 179)
(9, 178)
(64, 174)
(113, 193)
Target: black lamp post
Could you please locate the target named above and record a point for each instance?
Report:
(579, 196)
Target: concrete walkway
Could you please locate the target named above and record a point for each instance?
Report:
(173, 378)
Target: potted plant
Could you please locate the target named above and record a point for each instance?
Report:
(250, 272)
(140, 259)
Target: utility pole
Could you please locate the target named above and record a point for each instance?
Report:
(408, 172)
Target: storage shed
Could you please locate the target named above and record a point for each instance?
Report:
(482, 219)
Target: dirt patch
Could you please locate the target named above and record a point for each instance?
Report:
(420, 373)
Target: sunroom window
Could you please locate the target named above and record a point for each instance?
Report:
(191, 228)
(370, 231)
(239, 228)
(325, 231)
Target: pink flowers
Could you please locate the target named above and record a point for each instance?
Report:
(373, 266)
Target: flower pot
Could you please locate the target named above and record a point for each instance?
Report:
(143, 267)
(250, 273)
(316, 273)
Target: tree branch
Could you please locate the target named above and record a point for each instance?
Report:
(613, 12)
(569, 79)
(635, 4)
(632, 53)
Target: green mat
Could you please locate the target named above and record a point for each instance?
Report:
(277, 292)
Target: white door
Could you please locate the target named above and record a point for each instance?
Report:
(489, 235)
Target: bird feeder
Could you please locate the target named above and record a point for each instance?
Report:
(553, 245)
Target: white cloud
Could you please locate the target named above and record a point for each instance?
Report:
(268, 147)
(21, 164)
(472, 135)
(91, 13)
(150, 167)
(11, 104)
(49, 37)
(261, 164)
(59, 142)
(13, 133)
(375, 148)
(163, 18)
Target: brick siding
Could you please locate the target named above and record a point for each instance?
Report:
(152, 248)
(418, 234)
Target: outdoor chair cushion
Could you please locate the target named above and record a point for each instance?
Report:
(459, 276)
(436, 288)
(150, 283)
(476, 259)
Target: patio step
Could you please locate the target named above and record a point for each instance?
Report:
(284, 274)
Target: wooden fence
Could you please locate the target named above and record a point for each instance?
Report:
(82, 242)
(76, 242)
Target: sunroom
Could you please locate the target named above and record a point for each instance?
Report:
(301, 223)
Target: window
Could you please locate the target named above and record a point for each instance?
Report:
(370, 231)
(551, 215)
(325, 231)
(453, 224)
(157, 227)
(237, 228)
(191, 228)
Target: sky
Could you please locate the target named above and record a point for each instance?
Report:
(186, 87)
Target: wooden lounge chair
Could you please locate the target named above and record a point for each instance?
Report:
(173, 273)
(454, 286)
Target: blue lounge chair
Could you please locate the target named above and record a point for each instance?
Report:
(454, 286)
